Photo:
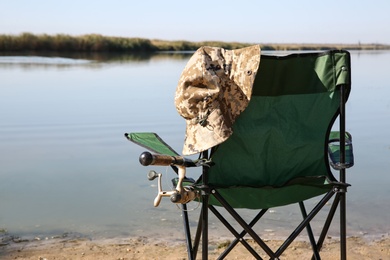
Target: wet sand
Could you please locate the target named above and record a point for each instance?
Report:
(146, 248)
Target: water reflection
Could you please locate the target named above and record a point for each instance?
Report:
(84, 59)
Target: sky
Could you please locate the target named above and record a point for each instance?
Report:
(249, 21)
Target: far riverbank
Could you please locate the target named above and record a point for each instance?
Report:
(99, 43)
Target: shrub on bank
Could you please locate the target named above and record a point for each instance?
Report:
(99, 43)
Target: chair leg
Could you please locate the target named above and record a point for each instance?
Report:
(194, 247)
(197, 236)
(343, 190)
(316, 254)
(187, 232)
(328, 221)
(343, 231)
(205, 226)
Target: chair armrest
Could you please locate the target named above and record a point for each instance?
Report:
(152, 142)
(334, 151)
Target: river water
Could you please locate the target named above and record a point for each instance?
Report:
(66, 167)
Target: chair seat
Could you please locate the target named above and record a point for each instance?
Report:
(267, 197)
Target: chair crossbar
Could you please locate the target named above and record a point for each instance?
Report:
(239, 237)
(243, 224)
(305, 222)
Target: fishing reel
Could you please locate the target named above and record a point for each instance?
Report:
(181, 194)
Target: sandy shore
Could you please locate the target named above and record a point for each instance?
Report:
(144, 248)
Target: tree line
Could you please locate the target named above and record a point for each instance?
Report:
(100, 43)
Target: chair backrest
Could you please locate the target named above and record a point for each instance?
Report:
(282, 135)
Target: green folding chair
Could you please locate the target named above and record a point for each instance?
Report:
(280, 153)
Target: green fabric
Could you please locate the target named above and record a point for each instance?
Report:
(268, 197)
(265, 141)
(152, 142)
(278, 151)
(302, 73)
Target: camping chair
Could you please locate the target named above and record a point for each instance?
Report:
(280, 153)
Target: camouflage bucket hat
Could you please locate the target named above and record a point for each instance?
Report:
(214, 88)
